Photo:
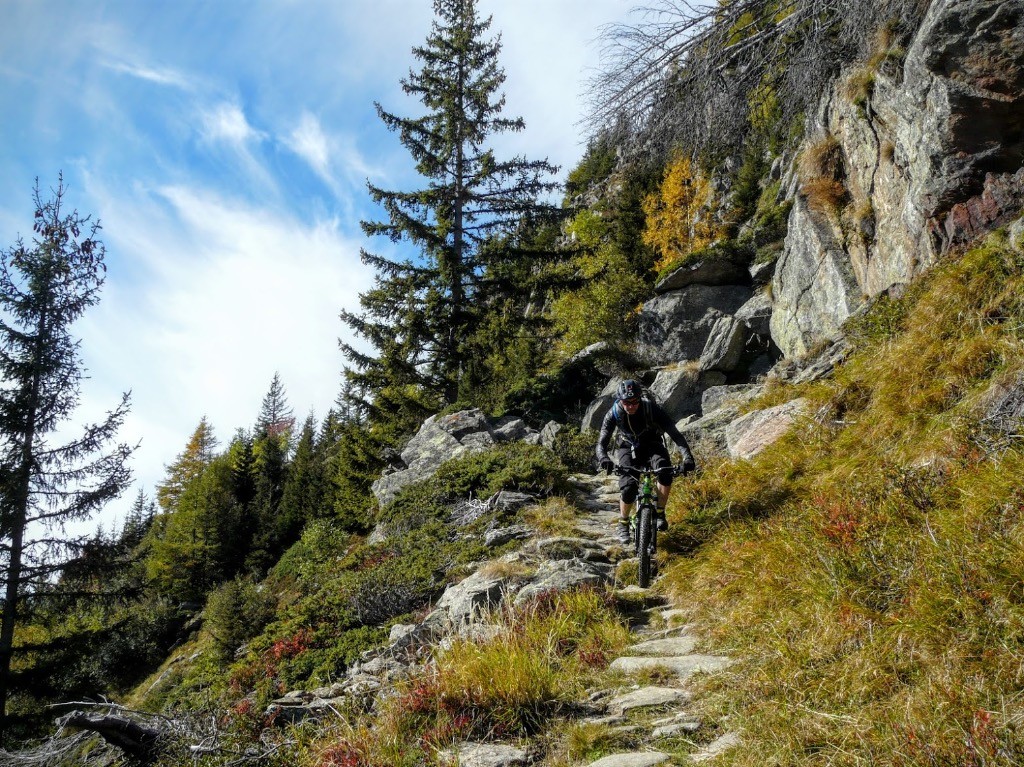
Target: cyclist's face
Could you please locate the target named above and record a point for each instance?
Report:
(630, 405)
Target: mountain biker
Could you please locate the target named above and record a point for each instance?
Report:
(640, 424)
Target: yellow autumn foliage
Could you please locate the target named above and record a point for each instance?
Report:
(682, 214)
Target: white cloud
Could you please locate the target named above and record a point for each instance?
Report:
(156, 75)
(309, 142)
(223, 295)
(227, 122)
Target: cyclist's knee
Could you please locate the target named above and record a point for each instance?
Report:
(629, 493)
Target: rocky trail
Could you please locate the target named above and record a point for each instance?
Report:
(652, 721)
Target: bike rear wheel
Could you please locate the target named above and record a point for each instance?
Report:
(645, 543)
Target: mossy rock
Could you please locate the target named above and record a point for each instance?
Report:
(724, 263)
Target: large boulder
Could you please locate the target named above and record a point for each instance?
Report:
(600, 406)
(756, 314)
(706, 435)
(717, 397)
(749, 434)
(678, 389)
(725, 345)
(676, 325)
(442, 437)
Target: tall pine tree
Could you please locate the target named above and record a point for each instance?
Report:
(45, 286)
(421, 310)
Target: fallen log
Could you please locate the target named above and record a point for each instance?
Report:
(137, 740)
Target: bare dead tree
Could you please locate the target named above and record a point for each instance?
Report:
(685, 72)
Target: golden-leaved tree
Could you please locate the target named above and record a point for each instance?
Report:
(682, 214)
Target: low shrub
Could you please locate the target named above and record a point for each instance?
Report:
(515, 466)
(575, 448)
(235, 612)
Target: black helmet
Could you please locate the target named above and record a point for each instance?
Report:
(629, 389)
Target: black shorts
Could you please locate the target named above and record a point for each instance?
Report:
(655, 456)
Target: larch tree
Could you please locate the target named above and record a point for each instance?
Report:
(45, 286)
(197, 455)
(421, 309)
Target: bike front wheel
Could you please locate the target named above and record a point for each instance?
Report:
(645, 543)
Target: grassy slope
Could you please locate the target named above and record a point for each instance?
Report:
(870, 567)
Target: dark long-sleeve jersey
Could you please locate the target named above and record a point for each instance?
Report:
(644, 428)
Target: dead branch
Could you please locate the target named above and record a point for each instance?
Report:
(685, 73)
(139, 741)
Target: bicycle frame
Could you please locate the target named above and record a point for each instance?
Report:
(642, 526)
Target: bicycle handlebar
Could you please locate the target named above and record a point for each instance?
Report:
(678, 470)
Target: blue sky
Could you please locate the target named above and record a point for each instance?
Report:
(225, 147)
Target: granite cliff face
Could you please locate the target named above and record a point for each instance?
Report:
(932, 155)
(912, 153)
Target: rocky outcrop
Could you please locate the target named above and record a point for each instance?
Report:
(751, 433)
(716, 267)
(815, 289)
(675, 326)
(442, 437)
(932, 152)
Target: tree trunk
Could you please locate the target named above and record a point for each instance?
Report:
(136, 740)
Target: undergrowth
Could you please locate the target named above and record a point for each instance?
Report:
(508, 687)
(868, 568)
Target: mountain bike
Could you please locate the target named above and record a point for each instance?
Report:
(642, 526)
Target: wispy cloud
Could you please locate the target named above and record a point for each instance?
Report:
(165, 76)
(309, 142)
(225, 293)
(226, 122)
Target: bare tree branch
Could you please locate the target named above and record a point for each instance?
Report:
(684, 74)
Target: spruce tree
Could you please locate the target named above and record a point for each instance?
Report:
(303, 493)
(275, 414)
(45, 286)
(421, 309)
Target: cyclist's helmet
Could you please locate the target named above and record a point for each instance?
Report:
(629, 390)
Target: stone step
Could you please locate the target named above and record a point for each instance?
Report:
(674, 646)
(633, 759)
(683, 666)
(486, 755)
(647, 697)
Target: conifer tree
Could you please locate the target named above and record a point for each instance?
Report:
(271, 446)
(420, 311)
(45, 286)
(201, 541)
(137, 523)
(304, 490)
(275, 414)
(188, 466)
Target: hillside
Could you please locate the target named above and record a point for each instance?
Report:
(828, 303)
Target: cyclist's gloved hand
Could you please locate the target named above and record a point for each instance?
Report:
(689, 465)
(607, 465)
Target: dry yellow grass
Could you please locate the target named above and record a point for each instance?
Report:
(867, 570)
